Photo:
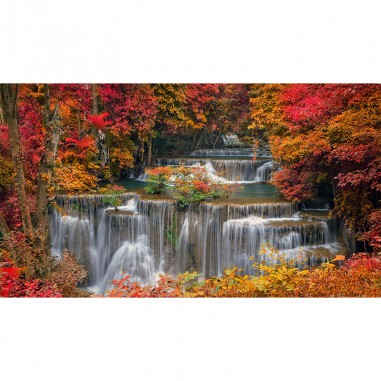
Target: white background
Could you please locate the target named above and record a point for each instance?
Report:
(193, 41)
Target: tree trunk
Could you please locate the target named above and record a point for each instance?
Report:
(94, 110)
(45, 174)
(215, 142)
(201, 136)
(8, 102)
(149, 150)
(141, 153)
(194, 139)
(4, 229)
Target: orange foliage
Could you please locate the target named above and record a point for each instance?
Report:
(360, 276)
(74, 178)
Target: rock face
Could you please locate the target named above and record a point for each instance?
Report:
(146, 237)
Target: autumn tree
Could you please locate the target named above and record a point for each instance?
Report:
(233, 113)
(132, 110)
(8, 103)
(52, 125)
(327, 139)
(201, 107)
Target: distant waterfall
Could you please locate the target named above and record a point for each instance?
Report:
(142, 177)
(224, 152)
(231, 140)
(264, 172)
(227, 170)
(146, 237)
(248, 152)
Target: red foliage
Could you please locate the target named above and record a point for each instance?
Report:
(131, 107)
(373, 235)
(13, 285)
(332, 145)
(201, 103)
(201, 186)
(294, 185)
(363, 261)
(160, 171)
(166, 287)
(100, 121)
(311, 104)
(75, 148)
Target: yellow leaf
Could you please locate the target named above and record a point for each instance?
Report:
(339, 258)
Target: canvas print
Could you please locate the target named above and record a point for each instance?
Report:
(190, 190)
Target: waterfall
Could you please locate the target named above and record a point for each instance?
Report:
(229, 235)
(144, 237)
(242, 239)
(264, 172)
(182, 248)
(95, 232)
(223, 152)
(227, 171)
(231, 140)
(248, 152)
(142, 177)
(132, 258)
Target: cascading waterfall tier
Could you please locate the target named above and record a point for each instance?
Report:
(248, 152)
(227, 170)
(145, 237)
(223, 152)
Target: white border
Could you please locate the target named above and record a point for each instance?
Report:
(190, 41)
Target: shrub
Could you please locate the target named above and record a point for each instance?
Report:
(113, 193)
(12, 284)
(166, 287)
(187, 184)
(36, 264)
(359, 276)
(67, 275)
(158, 179)
(28, 272)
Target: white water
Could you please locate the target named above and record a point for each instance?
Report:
(231, 140)
(224, 152)
(264, 172)
(131, 206)
(131, 258)
(227, 171)
(248, 152)
(142, 177)
(146, 237)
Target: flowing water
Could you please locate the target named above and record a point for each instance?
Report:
(236, 171)
(224, 152)
(243, 152)
(149, 235)
(231, 140)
